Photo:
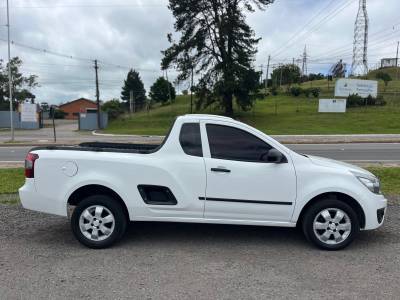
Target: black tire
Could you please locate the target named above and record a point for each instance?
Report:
(120, 221)
(312, 213)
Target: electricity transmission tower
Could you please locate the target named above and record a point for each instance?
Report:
(304, 60)
(360, 46)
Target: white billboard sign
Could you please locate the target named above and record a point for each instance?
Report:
(364, 88)
(332, 105)
(28, 112)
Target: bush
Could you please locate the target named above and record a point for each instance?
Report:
(316, 92)
(356, 101)
(296, 91)
(58, 114)
(274, 91)
(113, 108)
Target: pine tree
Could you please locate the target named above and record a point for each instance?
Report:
(133, 83)
(216, 41)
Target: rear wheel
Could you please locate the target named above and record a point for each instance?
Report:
(98, 221)
(330, 224)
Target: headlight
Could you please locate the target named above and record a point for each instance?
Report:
(372, 183)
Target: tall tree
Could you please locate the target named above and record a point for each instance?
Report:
(286, 74)
(162, 90)
(216, 41)
(133, 83)
(22, 85)
(385, 77)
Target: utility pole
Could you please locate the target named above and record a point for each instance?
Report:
(10, 84)
(280, 82)
(191, 93)
(266, 75)
(97, 94)
(397, 60)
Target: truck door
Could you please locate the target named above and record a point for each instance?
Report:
(241, 185)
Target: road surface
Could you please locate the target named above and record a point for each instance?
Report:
(365, 152)
(40, 259)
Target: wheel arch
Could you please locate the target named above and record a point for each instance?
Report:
(96, 189)
(353, 203)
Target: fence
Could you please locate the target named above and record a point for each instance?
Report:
(5, 121)
(88, 121)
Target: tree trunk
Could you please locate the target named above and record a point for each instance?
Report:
(228, 104)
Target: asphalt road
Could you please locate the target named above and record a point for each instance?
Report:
(40, 259)
(364, 152)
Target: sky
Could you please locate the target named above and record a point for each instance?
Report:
(124, 34)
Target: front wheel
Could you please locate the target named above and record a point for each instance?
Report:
(98, 221)
(331, 224)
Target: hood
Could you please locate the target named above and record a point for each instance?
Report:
(331, 163)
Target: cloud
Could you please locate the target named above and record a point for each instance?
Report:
(131, 34)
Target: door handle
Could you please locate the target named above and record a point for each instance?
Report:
(221, 170)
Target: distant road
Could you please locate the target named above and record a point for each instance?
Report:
(368, 152)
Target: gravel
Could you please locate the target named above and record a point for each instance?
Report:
(40, 259)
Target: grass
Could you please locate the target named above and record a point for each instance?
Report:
(12, 179)
(390, 179)
(282, 114)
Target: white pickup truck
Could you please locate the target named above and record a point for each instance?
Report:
(209, 169)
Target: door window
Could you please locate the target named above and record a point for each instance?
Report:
(190, 139)
(235, 144)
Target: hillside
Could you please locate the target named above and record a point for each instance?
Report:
(282, 114)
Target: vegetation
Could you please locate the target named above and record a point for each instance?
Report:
(274, 115)
(113, 108)
(11, 180)
(385, 77)
(286, 75)
(133, 86)
(162, 90)
(216, 42)
(22, 85)
(390, 179)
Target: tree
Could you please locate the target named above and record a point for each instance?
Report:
(288, 73)
(22, 85)
(216, 42)
(133, 83)
(113, 108)
(162, 90)
(385, 77)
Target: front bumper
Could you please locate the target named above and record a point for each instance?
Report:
(375, 207)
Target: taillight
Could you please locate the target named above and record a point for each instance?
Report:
(30, 165)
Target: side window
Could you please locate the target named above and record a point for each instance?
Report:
(190, 139)
(235, 144)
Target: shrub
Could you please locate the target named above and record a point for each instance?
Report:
(113, 108)
(296, 91)
(307, 92)
(356, 100)
(316, 92)
(274, 90)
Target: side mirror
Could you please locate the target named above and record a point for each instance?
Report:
(274, 156)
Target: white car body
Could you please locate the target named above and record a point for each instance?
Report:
(270, 194)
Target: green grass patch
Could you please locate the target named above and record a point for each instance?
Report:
(11, 180)
(390, 179)
(280, 114)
